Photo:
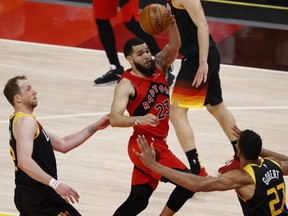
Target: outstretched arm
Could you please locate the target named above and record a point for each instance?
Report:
(72, 141)
(170, 51)
(281, 159)
(231, 180)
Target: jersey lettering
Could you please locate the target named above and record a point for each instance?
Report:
(276, 200)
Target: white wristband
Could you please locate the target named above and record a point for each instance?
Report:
(54, 183)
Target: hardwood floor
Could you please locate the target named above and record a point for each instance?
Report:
(100, 169)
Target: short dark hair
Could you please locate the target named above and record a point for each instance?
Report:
(128, 46)
(12, 88)
(250, 144)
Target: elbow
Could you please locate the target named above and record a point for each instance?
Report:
(64, 150)
(113, 122)
(23, 165)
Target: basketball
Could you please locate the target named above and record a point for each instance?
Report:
(155, 19)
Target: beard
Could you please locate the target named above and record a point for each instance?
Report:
(147, 72)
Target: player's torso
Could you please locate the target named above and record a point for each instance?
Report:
(42, 154)
(151, 96)
(270, 192)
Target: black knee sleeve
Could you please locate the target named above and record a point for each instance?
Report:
(136, 202)
(178, 197)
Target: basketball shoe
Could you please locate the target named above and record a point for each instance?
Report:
(230, 165)
(110, 77)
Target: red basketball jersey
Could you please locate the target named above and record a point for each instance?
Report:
(151, 96)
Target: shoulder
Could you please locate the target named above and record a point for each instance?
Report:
(124, 87)
(26, 121)
(239, 176)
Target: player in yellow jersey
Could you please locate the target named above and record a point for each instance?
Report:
(38, 192)
(259, 182)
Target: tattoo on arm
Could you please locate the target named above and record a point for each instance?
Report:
(92, 130)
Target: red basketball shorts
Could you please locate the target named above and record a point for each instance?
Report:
(107, 9)
(141, 174)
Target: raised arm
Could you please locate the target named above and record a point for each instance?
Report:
(170, 51)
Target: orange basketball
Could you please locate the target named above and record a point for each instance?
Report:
(155, 19)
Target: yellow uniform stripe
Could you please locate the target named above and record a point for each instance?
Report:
(248, 4)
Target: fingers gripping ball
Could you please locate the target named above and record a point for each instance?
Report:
(155, 19)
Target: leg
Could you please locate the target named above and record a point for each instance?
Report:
(185, 135)
(184, 132)
(103, 12)
(136, 202)
(108, 41)
(176, 200)
(216, 107)
(226, 120)
(224, 117)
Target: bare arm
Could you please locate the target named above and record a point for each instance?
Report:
(74, 140)
(170, 51)
(24, 130)
(195, 10)
(231, 180)
(123, 91)
(280, 158)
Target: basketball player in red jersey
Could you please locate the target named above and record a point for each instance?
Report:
(103, 12)
(144, 92)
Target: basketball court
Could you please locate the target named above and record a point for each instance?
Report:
(62, 72)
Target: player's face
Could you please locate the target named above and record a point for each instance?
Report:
(28, 94)
(142, 60)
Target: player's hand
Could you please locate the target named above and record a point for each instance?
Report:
(201, 75)
(148, 119)
(67, 193)
(147, 154)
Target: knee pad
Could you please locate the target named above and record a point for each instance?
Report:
(136, 202)
(178, 197)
